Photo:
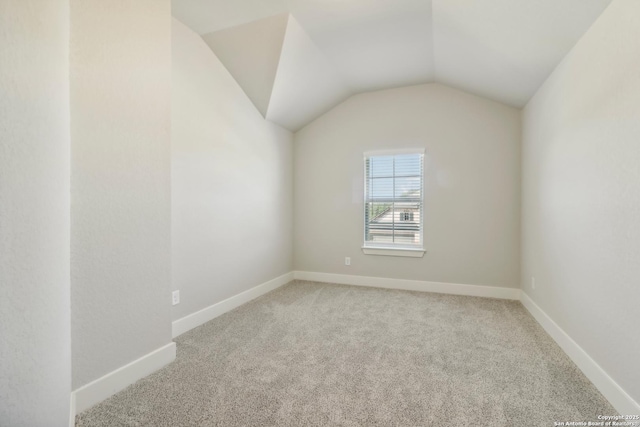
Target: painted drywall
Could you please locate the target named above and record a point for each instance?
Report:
(500, 49)
(581, 194)
(306, 84)
(472, 185)
(231, 183)
(35, 338)
(120, 183)
(251, 53)
(505, 49)
(280, 68)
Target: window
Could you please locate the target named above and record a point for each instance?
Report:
(393, 203)
(406, 216)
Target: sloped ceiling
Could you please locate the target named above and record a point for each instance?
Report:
(298, 58)
(251, 52)
(306, 84)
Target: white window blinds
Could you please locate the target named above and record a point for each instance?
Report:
(393, 199)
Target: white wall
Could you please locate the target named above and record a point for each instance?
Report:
(472, 185)
(35, 347)
(231, 183)
(581, 194)
(120, 176)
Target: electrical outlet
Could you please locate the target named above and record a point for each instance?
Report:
(175, 297)
(533, 283)
(347, 261)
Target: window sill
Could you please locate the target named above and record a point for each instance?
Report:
(405, 252)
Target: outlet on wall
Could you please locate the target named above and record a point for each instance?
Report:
(347, 261)
(175, 297)
(533, 283)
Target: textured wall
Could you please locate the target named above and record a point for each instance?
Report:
(231, 183)
(35, 347)
(472, 185)
(581, 194)
(120, 182)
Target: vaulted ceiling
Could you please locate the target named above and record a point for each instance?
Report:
(296, 59)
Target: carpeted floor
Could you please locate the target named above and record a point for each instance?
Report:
(315, 354)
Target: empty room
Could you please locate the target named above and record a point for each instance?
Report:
(319, 213)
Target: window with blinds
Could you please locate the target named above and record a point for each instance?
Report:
(393, 199)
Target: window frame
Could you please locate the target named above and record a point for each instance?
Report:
(393, 249)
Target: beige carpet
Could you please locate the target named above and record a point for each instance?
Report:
(313, 354)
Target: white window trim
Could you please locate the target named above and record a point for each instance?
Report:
(394, 152)
(383, 250)
(405, 252)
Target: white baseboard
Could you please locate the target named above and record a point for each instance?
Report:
(412, 285)
(619, 399)
(198, 318)
(106, 386)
